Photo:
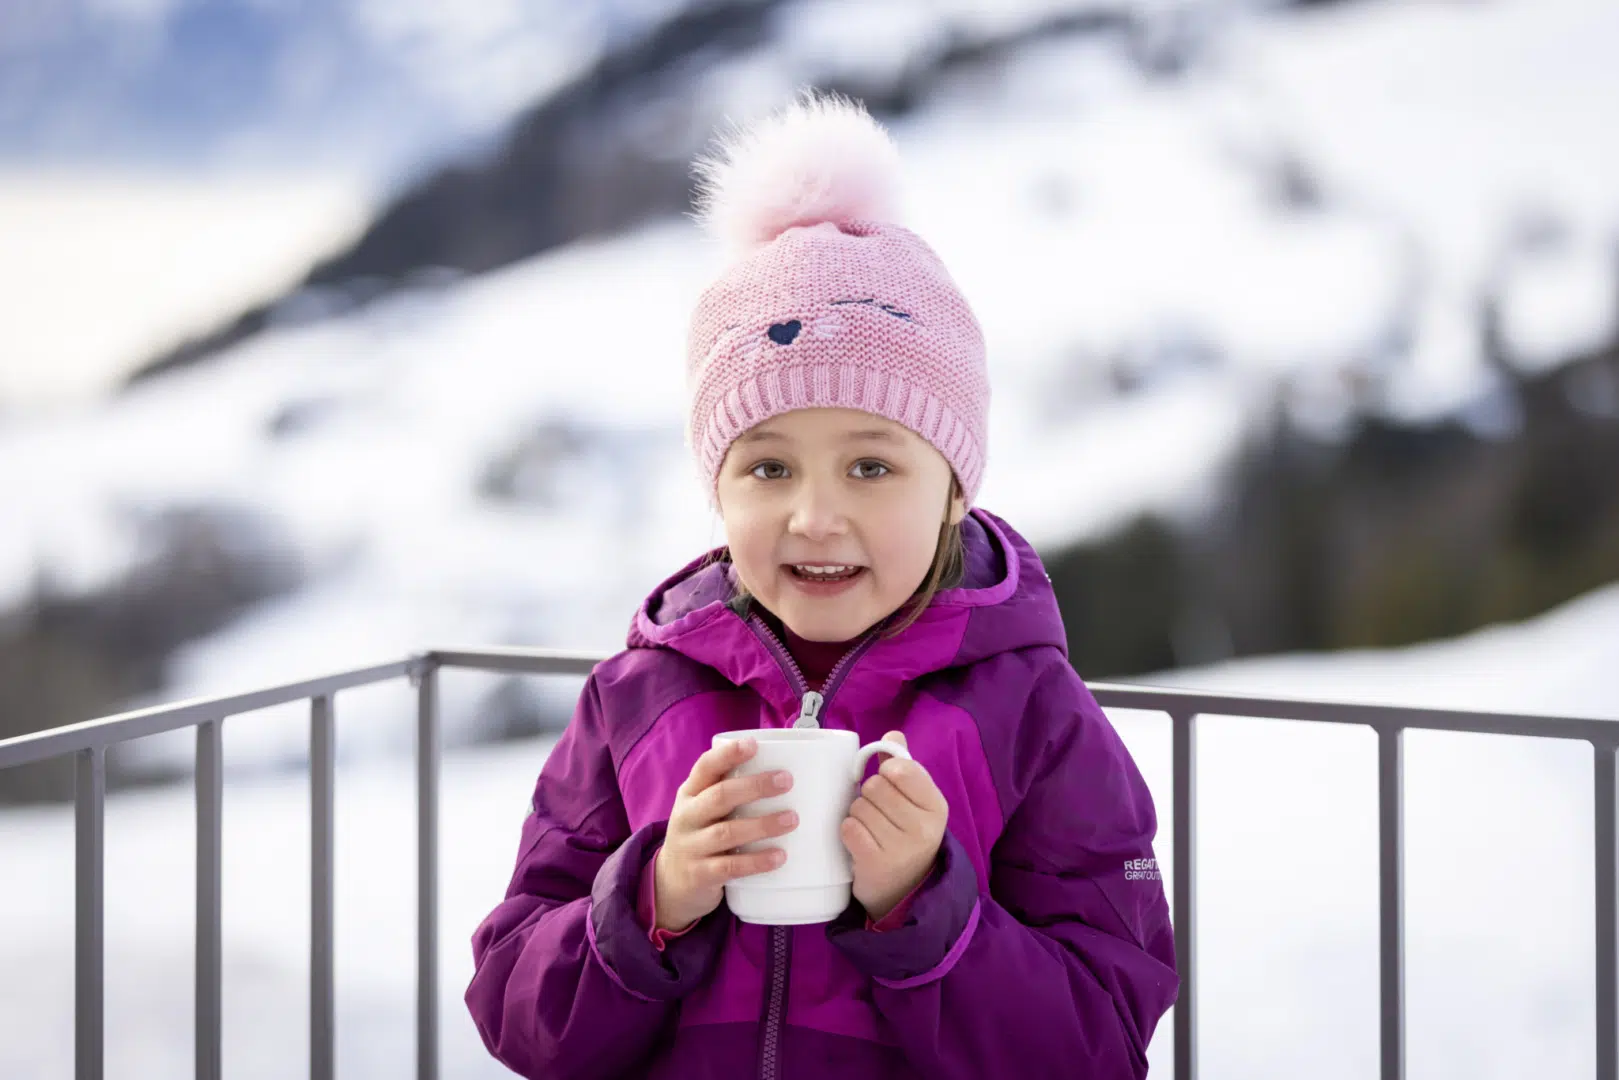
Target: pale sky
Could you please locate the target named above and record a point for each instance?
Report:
(101, 271)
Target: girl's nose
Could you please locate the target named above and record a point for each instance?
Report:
(817, 512)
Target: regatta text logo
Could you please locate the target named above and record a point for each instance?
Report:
(1141, 870)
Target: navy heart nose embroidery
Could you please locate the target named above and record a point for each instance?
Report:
(783, 333)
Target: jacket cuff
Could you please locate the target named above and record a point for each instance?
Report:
(942, 914)
(896, 917)
(646, 906)
(620, 940)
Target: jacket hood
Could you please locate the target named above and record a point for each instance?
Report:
(1004, 603)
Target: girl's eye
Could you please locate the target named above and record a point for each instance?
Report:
(870, 470)
(770, 470)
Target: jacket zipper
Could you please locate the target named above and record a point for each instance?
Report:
(781, 955)
(810, 702)
(781, 937)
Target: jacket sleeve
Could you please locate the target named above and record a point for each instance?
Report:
(566, 982)
(1066, 965)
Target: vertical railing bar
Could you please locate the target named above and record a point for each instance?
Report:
(427, 776)
(322, 1001)
(1607, 915)
(1391, 890)
(89, 887)
(1185, 912)
(210, 791)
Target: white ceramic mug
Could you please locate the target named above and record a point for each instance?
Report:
(827, 765)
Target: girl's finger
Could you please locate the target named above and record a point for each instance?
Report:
(883, 832)
(896, 737)
(718, 869)
(722, 836)
(711, 767)
(858, 839)
(915, 783)
(902, 812)
(720, 799)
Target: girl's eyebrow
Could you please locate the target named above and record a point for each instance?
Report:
(761, 436)
(868, 435)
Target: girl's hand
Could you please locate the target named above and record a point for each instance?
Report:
(893, 832)
(696, 858)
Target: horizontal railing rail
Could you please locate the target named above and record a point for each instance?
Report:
(88, 743)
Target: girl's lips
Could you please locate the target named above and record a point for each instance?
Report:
(816, 587)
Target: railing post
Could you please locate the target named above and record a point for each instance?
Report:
(210, 794)
(1607, 914)
(1185, 856)
(427, 774)
(322, 1006)
(90, 797)
(1391, 890)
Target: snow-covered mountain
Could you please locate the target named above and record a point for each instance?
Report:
(1310, 214)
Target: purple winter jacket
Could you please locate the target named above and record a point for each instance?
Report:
(1040, 944)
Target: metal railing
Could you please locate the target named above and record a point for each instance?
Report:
(88, 742)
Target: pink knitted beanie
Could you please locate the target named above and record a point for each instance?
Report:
(826, 302)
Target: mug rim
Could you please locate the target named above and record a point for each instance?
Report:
(804, 735)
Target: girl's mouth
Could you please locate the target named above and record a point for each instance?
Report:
(822, 580)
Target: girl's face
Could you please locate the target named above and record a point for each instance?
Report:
(839, 490)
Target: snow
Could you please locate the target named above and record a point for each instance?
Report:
(1558, 301)
(1498, 855)
(1567, 672)
(1455, 122)
(1111, 466)
(892, 33)
(1148, 228)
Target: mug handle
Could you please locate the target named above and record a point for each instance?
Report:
(881, 746)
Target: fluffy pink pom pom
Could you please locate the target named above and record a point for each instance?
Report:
(823, 158)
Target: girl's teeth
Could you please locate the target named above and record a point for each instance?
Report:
(823, 571)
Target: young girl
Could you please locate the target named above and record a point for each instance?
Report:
(1002, 923)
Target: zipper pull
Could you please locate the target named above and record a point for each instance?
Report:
(810, 711)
